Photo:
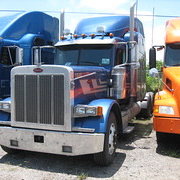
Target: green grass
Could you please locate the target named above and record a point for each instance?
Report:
(82, 176)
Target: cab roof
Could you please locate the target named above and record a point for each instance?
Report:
(172, 31)
(118, 25)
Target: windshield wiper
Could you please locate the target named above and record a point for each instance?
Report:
(91, 62)
(175, 64)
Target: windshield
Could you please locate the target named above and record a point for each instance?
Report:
(172, 56)
(84, 55)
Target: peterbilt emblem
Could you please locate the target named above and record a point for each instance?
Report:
(38, 70)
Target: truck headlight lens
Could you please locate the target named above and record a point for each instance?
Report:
(80, 110)
(91, 110)
(5, 106)
(85, 110)
(166, 110)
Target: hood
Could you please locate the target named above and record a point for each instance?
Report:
(90, 82)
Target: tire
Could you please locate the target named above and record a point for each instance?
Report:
(106, 157)
(152, 101)
(10, 150)
(147, 112)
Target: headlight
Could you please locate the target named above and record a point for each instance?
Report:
(85, 110)
(5, 106)
(91, 110)
(166, 110)
(80, 110)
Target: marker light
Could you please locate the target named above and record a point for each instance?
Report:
(75, 36)
(92, 35)
(83, 35)
(111, 35)
(62, 38)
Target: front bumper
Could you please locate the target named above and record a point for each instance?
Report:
(166, 124)
(64, 143)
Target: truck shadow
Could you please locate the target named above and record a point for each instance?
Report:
(81, 164)
(63, 164)
(170, 147)
(143, 129)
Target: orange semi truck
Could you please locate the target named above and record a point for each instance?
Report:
(167, 101)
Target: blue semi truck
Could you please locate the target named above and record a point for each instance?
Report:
(79, 104)
(19, 33)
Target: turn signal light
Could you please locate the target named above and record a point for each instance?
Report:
(156, 109)
(99, 111)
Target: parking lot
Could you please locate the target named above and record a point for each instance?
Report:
(138, 157)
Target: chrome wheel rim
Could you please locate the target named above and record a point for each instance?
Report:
(112, 131)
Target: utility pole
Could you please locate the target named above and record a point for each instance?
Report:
(152, 28)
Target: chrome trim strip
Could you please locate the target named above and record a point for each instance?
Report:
(79, 129)
(5, 122)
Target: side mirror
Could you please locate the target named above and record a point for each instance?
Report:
(11, 55)
(152, 58)
(19, 55)
(154, 73)
(134, 54)
(37, 55)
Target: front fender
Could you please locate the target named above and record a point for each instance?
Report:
(97, 123)
(5, 116)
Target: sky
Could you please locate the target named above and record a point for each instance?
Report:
(90, 8)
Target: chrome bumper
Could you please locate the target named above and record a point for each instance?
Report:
(64, 143)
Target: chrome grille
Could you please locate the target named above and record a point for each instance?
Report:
(39, 99)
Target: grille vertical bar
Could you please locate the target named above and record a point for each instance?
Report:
(31, 99)
(35, 95)
(45, 99)
(58, 100)
(19, 98)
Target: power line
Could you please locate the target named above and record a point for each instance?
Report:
(147, 15)
(12, 11)
(71, 12)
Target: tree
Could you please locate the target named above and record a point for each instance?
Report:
(152, 83)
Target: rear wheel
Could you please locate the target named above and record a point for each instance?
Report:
(147, 106)
(148, 111)
(106, 157)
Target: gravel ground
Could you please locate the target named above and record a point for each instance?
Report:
(138, 158)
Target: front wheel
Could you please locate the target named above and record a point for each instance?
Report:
(106, 157)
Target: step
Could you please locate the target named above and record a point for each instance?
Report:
(128, 129)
